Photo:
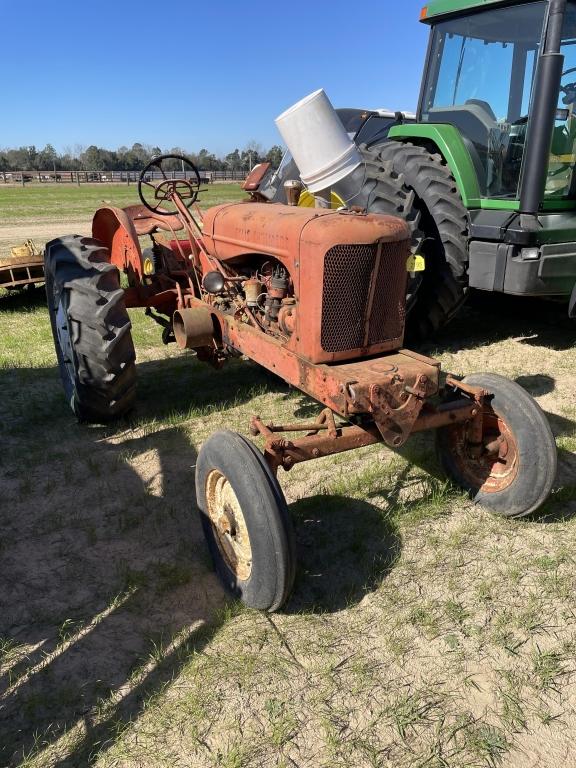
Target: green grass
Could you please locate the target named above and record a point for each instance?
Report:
(72, 202)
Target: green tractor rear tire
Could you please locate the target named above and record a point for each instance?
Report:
(408, 181)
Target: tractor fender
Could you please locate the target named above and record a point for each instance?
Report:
(115, 228)
(449, 143)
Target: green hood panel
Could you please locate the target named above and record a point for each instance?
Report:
(437, 8)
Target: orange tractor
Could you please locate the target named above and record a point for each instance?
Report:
(318, 298)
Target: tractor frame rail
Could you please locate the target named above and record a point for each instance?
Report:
(325, 438)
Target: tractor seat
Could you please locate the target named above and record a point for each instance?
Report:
(477, 124)
(145, 222)
(483, 105)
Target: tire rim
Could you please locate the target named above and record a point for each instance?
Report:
(228, 521)
(497, 466)
(64, 338)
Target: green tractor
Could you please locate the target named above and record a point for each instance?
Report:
(486, 173)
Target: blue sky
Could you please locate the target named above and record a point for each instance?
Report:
(209, 74)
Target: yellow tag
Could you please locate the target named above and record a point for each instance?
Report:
(149, 267)
(415, 263)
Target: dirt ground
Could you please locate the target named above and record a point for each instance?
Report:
(422, 631)
(14, 234)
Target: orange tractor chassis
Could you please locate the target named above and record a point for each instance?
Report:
(315, 296)
(351, 390)
(390, 392)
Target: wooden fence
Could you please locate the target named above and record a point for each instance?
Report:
(111, 177)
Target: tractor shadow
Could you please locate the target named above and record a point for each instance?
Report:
(182, 387)
(562, 504)
(106, 585)
(487, 318)
(31, 297)
(106, 588)
(346, 548)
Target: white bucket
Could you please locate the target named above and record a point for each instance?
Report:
(314, 134)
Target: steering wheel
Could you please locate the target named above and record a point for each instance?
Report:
(166, 188)
(569, 89)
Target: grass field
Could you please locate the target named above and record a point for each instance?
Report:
(44, 211)
(422, 632)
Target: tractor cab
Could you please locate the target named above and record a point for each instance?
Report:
(504, 75)
(480, 78)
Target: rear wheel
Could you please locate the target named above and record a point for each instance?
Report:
(516, 468)
(246, 521)
(91, 329)
(410, 182)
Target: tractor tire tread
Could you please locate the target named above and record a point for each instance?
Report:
(424, 182)
(104, 383)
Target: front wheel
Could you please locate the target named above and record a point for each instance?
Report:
(246, 521)
(516, 468)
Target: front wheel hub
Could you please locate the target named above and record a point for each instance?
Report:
(493, 465)
(228, 520)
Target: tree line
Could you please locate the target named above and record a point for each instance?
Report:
(132, 158)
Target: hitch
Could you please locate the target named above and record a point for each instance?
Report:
(325, 438)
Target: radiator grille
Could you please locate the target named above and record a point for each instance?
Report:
(348, 280)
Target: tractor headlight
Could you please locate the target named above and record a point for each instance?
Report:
(530, 254)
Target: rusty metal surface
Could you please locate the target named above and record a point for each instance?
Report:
(329, 322)
(254, 178)
(281, 452)
(225, 514)
(444, 415)
(490, 465)
(326, 315)
(114, 227)
(325, 438)
(233, 229)
(145, 222)
(363, 297)
(27, 254)
(193, 328)
(391, 389)
(476, 426)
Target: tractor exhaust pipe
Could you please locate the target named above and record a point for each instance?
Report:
(324, 153)
(541, 127)
(193, 328)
